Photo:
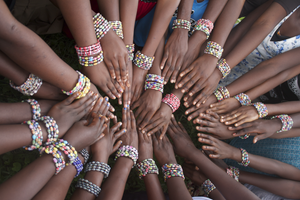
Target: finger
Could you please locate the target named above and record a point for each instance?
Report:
(132, 119)
(205, 141)
(155, 129)
(245, 120)
(210, 148)
(119, 134)
(246, 125)
(216, 156)
(146, 119)
(97, 105)
(163, 132)
(166, 70)
(123, 68)
(113, 91)
(195, 89)
(117, 145)
(245, 131)
(182, 128)
(110, 68)
(176, 69)
(141, 117)
(115, 63)
(259, 137)
(124, 118)
(115, 127)
(126, 97)
(163, 61)
(168, 75)
(90, 97)
(187, 70)
(206, 129)
(119, 87)
(153, 123)
(188, 81)
(104, 106)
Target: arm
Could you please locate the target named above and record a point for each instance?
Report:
(109, 9)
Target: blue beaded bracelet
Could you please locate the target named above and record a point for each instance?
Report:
(78, 165)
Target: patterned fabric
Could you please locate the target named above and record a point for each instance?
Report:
(266, 50)
(263, 194)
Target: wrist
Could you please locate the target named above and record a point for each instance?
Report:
(100, 158)
(236, 155)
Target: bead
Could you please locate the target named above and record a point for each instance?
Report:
(89, 50)
(223, 66)
(172, 100)
(30, 86)
(243, 98)
(154, 78)
(89, 186)
(101, 25)
(117, 28)
(128, 151)
(214, 49)
(245, 158)
(181, 23)
(287, 122)
(130, 49)
(35, 106)
(233, 172)
(218, 95)
(204, 25)
(172, 170)
(207, 187)
(261, 109)
(37, 135)
(85, 155)
(98, 166)
(147, 166)
(142, 61)
(78, 165)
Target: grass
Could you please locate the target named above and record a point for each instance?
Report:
(12, 162)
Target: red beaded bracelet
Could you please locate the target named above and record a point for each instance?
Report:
(172, 100)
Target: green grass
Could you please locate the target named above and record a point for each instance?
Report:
(12, 162)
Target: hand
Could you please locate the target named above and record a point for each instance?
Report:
(193, 174)
(147, 104)
(48, 91)
(131, 136)
(103, 148)
(163, 150)
(220, 149)
(115, 56)
(225, 106)
(213, 125)
(261, 128)
(160, 120)
(175, 49)
(145, 147)
(138, 83)
(101, 108)
(127, 92)
(183, 145)
(240, 116)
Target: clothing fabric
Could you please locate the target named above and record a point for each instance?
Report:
(263, 194)
(201, 198)
(144, 8)
(289, 5)
(143, 26)
(251, 5)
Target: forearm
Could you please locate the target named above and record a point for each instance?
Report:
(177, 189)
(184, 9)
(155, 69)
(153, 188)
(289, 107)
(216, 195)
(128, 10)
(109, 9)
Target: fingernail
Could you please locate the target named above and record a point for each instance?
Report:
(182, 91)
(106, 98)
(125, 108)
(189, 118)
(187, 112)
(113, 97)
(198, 105)
(255, 140)
(179, 122)
(185, 98)
(143, 131)
(108, 104)
(165, 82)
(101, 99)
(93, 103)
(180, 85)
(124, 130)
(176, 87)
(181, 75)
(194, 103)
(113, 110)
(172, 81)
(121, 141)
(191, 94)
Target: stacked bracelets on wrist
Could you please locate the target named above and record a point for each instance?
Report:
(204, 25)
(181, 23)
(207, 187)
(37, 135)
(142, 61)
(243, 98)
(222, 93)
(147, 166)
(90, 55)
(223, 66)
(154, 82)
(287, 122)
(29, 87)
(78, 165)
(245, 158)
(117, 28)
(233, 172)
(35, 106)
(52, 128)
(82, 86)
(67, 149)
(130, 49)
(89, 186)
(101, 26)
(58, 159)
(172, 170)
(99, 167)
(261, 109)
(129, 152)
(172, 101)
(214, 49)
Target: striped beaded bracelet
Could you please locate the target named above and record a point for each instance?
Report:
(30, 86)
(117, 28)
(223, 66)
(130, 49)
(35, 106)
(218, 95)
(224, 91)
(89, 50)
(58, 159)
(243, 98)
(82, 86)
(129, 152)
(89, 186)
(172, 100)
(89, 61)
(37, 135)
(52, 128)
(245, 158)
(172, 170)
(99, 167)
(287, 122)
(233, 172)
(155, 78)
(207, 187)
(67, 149)
(214, 49)
(154, 86)
(142, 61)
(85, 154)
(147, 166)
(78, 165)
(101, 25)
(204, 25)
(261, 109)
(181, 23)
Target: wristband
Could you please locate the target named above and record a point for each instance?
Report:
(207, 187)
(117, 28)
(142, 61)
(129, 152)
(37, 135)
(233, 172)
(245, 158)
(90, 60)
(85, 154)
(147, 166)
(58, 159)
(82, 86)
(130, 49)
(35, 106)
(243, 137)
(181, 23)
(243, 99)
(224, 68)
(224, 91)
(99, 167)
(67, 149)
(89, 186)
(172, 170)
(78, 165)
(154, 86)
(155, 78)
(218, 95)
(89, 50)
(52, 129)
(261, 109)
(172, 101)
(287, 122)
(101, 26)
(214, 49)
(204, 25)
(29, 87)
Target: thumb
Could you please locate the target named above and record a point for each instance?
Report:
(259, 137)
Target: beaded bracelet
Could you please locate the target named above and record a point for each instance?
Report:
(207, 187)
(35, 106)
(89, 186)
(37, 135)
(117, 28)
(214, 49)
(83, 86)
(147, 166)
(86, 88)
(89, 50)
(101, 26)
(172, 170)
(85, 154)
(218, 95)
(99, 167)
(142, 61)
(243, 137)
(233, 172)
(224, 91)
(129, 152)
(130, 49)
(67, 149)
(78, 165)
(204, 25)
(155, 78)
(245, 158)
(223, 66)
(29, 87)
(287, 122)
(58, 159)
(172, 101)
(181, 23)
(261, 109)
(243, 98)
(91, 60)
(52, 129)
(154, 86)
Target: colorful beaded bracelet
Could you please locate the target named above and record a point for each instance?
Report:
(78, 165)
(207, 187)
(89, 50)
(52, 129)
(261, 109)
(85, 154)
(90, 60)
(218, 95)
(37, 135)
(287, 122)
(204, 25)
(58, 159)
(117, 28)
(224, 91)
(35, 106)
(223, 66)
(171, 100)
(147, 166)
(214, 49)
(79, 85)
(130, 49)
(129, 152)
(154, 86)
(172, 170)
(86, 88)
(155, 78)
(233, 172)
(67, 149)
(243, 98)
(99, 167)
(101, 26)
(142, 61)
(89, 186)
(245, 158)
(181, 23)
(244, 137)
(29, 87)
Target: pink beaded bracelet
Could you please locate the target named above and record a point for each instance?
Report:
(171, 100)
(204, 25)
(101, 26)
(89, 50)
